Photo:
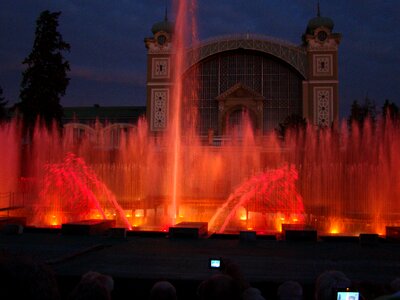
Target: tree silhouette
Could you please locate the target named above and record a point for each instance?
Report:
(3, 109)
(390, 111)
(45, 79)
(361, 112)
(293, 122)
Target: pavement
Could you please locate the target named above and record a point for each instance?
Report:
(144, 260)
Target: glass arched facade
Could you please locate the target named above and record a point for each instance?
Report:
(276, 81)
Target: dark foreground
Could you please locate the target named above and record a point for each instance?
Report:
(137, 262)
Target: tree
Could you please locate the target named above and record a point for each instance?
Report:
(361, 112)
(3, 109)
(45, 79)
(292, 122)
(390, 110)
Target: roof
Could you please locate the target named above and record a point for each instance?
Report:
(165, 25)
(114, 114)
(318, 22)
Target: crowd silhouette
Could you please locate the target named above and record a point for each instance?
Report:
(25, 278)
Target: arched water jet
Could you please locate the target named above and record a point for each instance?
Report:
(273, 192)
(72, 192)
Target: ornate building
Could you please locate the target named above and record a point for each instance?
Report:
(268, 78)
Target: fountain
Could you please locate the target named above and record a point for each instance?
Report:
(337, 181)
(340, 181)
(343, 181)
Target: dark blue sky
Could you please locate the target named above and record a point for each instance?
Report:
(108, 55)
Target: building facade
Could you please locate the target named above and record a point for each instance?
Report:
(267, 78)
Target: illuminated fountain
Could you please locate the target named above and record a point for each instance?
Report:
(9, 162)
(272, 193)
(71, 191)
(338, 181)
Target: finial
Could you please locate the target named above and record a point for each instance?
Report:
(166, 11)
(318, 10)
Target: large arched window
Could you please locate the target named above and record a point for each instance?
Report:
(279, 83)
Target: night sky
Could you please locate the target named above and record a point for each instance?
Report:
(108, 55)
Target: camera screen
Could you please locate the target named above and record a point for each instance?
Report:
(215, 263)
(347, 296)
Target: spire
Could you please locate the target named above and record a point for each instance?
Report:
(318, 10)
(164, 25)
(166, 11)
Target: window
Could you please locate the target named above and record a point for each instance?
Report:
(277, 82)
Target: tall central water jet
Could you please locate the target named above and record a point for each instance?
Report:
(185, 14)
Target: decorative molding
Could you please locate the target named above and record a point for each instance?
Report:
(160, 83)
(323, 65)
(295, 56)
(323, 81)
(238, 91)
(154, 48)
(329, 45)
(160, 67)
(159, 109)
(323, 106)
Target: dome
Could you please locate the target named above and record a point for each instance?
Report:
(164, 25)
(319, 21)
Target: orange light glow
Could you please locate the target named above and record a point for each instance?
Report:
(335, 228)
(334, 231)
(243, 217)
(139, 213)
(54, 220)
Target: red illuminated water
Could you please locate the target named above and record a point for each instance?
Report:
(175, 130)
(344, 182)
(338, 181)
(71, 192)
(272, 192)
(9, 162)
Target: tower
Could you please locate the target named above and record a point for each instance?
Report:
(321, 89)
(159, 74)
